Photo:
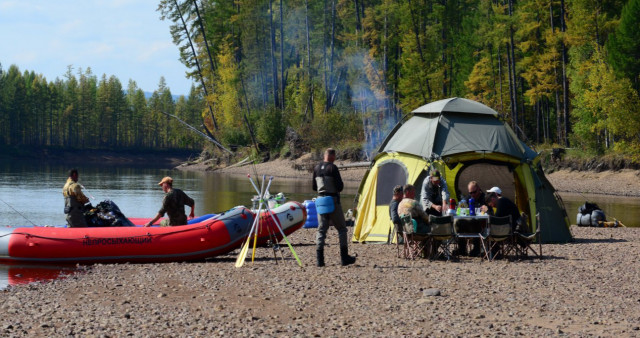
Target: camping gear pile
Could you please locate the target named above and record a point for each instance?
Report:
(106, 214)
(465, 141)
(590, 215)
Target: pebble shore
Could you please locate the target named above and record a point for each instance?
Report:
(585, 288)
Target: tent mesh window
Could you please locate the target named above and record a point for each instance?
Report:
(390, 174)
(487, 175)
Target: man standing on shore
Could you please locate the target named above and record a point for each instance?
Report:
(74, 201)
(328, 182)
(173, 204)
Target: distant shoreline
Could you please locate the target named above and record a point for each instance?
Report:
(624, 182)
(128, 157)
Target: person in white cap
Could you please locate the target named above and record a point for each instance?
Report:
(173, 204)
(503, 205)
(497, 190)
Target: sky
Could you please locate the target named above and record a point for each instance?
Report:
(125, 38)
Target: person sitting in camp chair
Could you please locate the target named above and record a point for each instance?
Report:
(393, 212)
(409, 206)
(503, 206)
(472, 226)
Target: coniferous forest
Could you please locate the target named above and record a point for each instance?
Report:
(343, 72)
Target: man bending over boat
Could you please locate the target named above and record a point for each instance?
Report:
(74, 201)
(173, 204)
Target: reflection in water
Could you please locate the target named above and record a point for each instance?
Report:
(624, 209)
(11, 275)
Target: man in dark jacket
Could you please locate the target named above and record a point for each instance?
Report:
(503, 206)
(328, 182)
(173, 204)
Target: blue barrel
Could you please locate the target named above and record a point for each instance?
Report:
(312, 214)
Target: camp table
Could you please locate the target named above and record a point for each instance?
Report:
(470, 226)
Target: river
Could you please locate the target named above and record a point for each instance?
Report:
(31, 193)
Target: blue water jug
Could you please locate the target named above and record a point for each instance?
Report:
(472, 207)
(312, 214)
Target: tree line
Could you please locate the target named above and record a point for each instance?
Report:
(83, 112)
(558, 71)
(343, 72)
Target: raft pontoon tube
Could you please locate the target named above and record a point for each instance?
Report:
(209, 238)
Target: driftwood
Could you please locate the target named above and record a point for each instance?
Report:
(244, 162)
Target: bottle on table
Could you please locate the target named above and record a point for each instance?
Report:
(472, 207)
(452, 207)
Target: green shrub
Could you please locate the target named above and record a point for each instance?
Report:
(271, 129)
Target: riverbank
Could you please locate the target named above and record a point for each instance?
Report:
(625, 182)
(585, 288)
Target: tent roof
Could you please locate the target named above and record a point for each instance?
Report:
(455, 105)
(454, 126)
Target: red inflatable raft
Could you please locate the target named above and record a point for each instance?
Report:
(208, 238)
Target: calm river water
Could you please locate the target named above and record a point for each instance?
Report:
(31, 193)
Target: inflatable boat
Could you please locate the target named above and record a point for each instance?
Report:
(212, 236)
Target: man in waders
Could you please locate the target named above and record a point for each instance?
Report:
(328, 183)
(74, 201)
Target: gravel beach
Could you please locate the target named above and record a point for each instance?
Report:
(585, 288)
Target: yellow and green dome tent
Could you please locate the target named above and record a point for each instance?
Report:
(466, 141)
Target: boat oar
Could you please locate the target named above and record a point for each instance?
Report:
(277, 223)
(245, 247)
(284, 236)
(255, 238)
(271, 236)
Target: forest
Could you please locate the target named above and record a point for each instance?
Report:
(342, 72)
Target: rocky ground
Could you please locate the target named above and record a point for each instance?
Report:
(585, 288)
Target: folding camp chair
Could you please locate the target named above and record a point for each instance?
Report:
(441, 236)
(526, 241)
(414, 236)
(498, 237)
(396, 234)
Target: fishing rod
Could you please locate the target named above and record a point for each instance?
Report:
(86, 191)
(18, 212)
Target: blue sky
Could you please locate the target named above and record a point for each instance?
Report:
(125, 38)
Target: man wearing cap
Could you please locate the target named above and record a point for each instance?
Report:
(435, 194)
(393, 211)
(503, 205)
(173, 205)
